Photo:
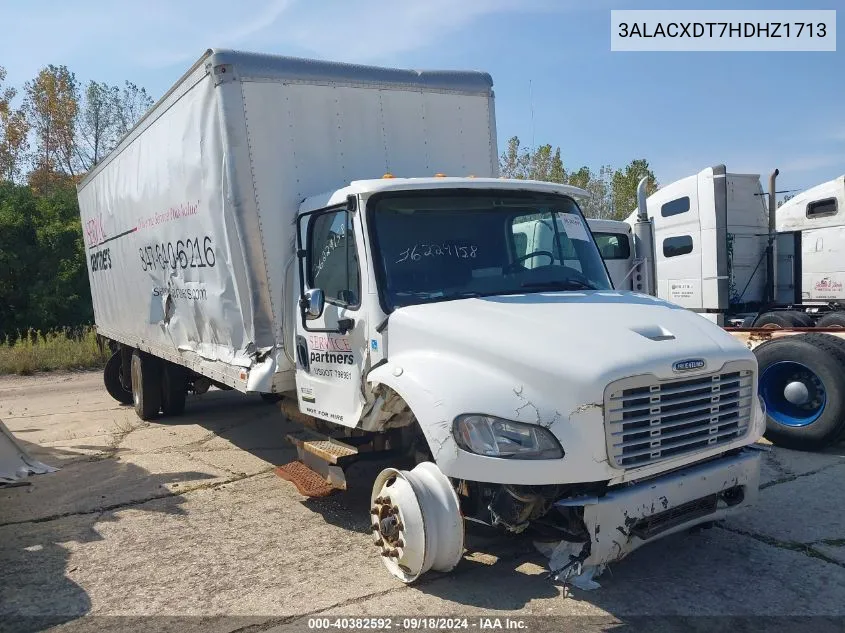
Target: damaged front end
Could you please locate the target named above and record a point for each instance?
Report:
(582, 528)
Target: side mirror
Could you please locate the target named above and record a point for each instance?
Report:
(312, 303)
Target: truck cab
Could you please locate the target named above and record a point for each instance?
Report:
(479, 312)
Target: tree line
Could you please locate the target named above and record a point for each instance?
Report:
(58, 128)
(613, 192)
(51, 133)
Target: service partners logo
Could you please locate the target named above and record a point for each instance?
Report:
(333, 350)
(690, 364)
(828, 285)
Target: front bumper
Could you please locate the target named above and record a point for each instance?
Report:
(626, 518)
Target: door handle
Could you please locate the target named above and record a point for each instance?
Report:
(302, 353)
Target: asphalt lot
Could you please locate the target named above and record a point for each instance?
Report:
(187, 518)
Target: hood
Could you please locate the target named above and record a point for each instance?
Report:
(585, 338)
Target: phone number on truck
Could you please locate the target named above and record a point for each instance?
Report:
(183, 254)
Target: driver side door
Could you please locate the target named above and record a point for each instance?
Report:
(331, 346)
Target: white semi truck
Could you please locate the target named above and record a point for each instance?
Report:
(249, 234)
(773, 277)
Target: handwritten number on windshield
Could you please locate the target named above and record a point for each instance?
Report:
(416, 252)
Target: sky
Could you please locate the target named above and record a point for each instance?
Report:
(555, 79)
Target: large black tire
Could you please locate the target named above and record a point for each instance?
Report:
(784, 319)
(832, 320)
(174, 388)
(812, 362)
(146, 385)
(113, 379)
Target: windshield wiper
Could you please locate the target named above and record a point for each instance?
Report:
(561, 284)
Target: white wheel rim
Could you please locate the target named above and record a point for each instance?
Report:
(416, 521)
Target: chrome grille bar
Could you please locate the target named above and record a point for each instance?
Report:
(647, 420)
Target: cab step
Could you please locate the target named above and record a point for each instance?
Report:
(308, 482)
(323, 455)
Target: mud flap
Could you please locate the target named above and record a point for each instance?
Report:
(15, 462)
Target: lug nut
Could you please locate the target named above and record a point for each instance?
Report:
(379, 542)
(394, 553)
(400, 543)
(374, 511)
(399, 525)
(386, 500)
(379, 500)
(374, 527)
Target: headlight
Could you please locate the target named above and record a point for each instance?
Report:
(495, 437)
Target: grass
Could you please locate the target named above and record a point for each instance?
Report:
(36, 351)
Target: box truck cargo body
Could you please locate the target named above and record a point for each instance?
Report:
(336, 234)
(189, 222)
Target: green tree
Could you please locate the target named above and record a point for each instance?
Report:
(14, 130)
(43, 275)
(18, 256)
(133, 103)
(98, 123)
(624, 186)
(514, 160)
(51, 105)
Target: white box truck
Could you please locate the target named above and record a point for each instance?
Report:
(773, 277)
(249, 233)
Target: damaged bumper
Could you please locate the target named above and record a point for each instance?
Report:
(626, 518)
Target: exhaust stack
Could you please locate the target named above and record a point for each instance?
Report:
(771, 255)
(644, 243)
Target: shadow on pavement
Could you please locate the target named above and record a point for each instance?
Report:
(39, 528)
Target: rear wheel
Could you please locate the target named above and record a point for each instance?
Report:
(113, 379)
(802, 382)
(832, 320)
(174, 386)
(146, 385)
(785, 319)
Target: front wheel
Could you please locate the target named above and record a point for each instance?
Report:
(802, 382)
(416, 521)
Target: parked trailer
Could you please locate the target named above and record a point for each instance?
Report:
(723, 248)
(802, 370)
(242, 235)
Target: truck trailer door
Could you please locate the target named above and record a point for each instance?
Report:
(330, 333)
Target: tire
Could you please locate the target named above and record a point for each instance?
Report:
(812, 367)
(113, 382)
(785, 319)
(832, 320)
(146, 385)
(174, 388)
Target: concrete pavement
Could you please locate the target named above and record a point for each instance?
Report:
(186, 518)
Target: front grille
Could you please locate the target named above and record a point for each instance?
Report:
(647, 420)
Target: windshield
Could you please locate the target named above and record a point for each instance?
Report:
(436, 246)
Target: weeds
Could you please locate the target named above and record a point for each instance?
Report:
(64, 349)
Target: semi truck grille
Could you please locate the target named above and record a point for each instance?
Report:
(647, 420)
